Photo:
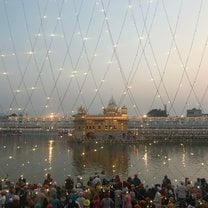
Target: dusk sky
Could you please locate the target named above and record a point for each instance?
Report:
(56, 55)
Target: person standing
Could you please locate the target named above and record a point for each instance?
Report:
(127, 203)
(69, 184)
(157, 201)
(107, 202)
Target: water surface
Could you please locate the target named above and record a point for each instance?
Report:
(35, 155)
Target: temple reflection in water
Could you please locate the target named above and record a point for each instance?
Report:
(34, 156)
(95, 157)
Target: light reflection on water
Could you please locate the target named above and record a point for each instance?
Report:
(34, 156)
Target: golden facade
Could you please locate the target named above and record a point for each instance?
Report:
(111, 123)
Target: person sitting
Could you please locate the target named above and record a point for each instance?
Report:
(166, 182)
(69, 184)
(136, 181)
(48, 181)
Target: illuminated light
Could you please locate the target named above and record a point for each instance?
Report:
(96, 90)
(39, 34)
(30, 53)
(101, 147)
(129, 6)
(58, 18)
(17, 91)
(202, 164)
(46, 106)
(115, 46)
(19, 109)
(48, 98)
(45, 17)
(52, 35)
(164, 163)
(50, 154)
(169, 159)
(33, 149)
(13, 54)
(52, 116)
(4, 73)
(84, 166)
(2, 55)
(85, 73)
(49, 51)
(33, 88)
(23, 164)
(28, 162)
(152, 79)
(83, 154)
(191, 153)
(113, 166)
(10, 157)
(114, 171)
(95, 150)
(18, 147)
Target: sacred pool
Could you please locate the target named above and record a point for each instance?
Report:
(35, 155)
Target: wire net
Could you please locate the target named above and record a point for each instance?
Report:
(57, 55)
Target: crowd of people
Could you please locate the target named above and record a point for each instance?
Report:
(99, 192)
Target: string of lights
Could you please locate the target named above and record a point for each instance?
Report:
(79, 79)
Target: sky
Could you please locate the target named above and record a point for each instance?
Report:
(56, 55)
